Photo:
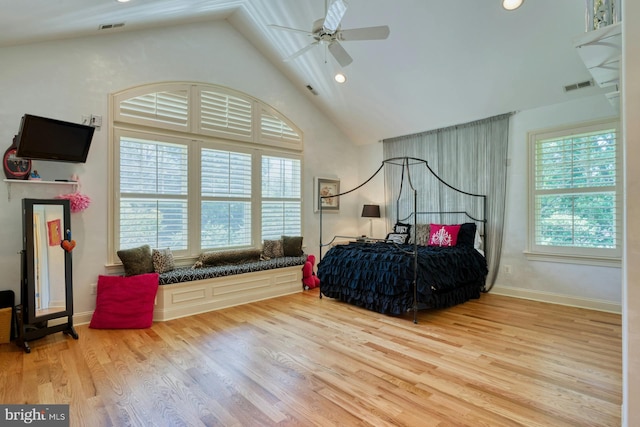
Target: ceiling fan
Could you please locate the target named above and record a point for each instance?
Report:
(327, 31)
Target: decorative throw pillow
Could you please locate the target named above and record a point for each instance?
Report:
(443, 235)
(402, 228)
(162, 260)
(422, 234)
(210, 259)
(272, 249)
(292, 245)
(136, 260)
(125, 302)
(467, 234)
(399, 238)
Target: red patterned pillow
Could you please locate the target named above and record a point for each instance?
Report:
(125, 302)
(443, 235)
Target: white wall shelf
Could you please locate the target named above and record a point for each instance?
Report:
(601, 52)
(11, 182)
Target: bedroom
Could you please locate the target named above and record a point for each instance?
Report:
(86, 70)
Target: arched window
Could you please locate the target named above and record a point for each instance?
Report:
(198, 167)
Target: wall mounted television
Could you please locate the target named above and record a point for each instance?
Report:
(41, 138)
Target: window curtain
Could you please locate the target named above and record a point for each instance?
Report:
(471, 157)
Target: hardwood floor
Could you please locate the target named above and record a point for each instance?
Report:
(301, 360)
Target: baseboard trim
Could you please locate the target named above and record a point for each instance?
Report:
(553, 298)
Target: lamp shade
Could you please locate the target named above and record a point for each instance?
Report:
(371, 211)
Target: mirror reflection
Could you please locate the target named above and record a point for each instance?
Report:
(48, 259)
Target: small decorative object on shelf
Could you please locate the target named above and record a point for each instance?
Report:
(601, 13)
(15, 167)
(34, 176)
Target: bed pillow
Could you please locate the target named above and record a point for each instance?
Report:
(272, 249)
(399, 238)
(443, 235)
(402, 228)
(421, 233)
(136, 260)
(163, 260)
(292, 245)
(467, 234)
(125, 302)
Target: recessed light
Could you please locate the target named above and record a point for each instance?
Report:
(340, 78)
(512, 4)
(122, 1)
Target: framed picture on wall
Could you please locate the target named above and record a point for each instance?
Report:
(326, 188)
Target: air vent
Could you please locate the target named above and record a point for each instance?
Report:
(581, 85)
(312, 90)
(110, 26)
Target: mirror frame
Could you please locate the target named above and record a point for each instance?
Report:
(28, 267)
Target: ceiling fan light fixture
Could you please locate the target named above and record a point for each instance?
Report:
(335, 13)
(340, 78)
(511, 4)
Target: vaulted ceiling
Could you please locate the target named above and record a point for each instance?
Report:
(444, 62)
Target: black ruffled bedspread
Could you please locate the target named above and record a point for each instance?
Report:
(379, 276)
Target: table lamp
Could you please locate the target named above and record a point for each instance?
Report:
(371, 211)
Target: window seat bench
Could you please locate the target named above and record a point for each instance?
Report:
(186, 291)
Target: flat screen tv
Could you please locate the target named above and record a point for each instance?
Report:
(41, 138)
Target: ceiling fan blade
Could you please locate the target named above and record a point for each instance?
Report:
(335, 13)
(340, 54)
(301, 51)
(293, 30)
(367, 33)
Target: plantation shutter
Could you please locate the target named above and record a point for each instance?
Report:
(225, 114)
(226, 199)
(576, 202)
(168, 109)
(281, 200)
(275, 128)
(153, 194)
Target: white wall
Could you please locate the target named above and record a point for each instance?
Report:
(631, 269)
(597, 287)
(68, 79)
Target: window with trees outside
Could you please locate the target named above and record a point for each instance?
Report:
(575, 194)
(200, 167)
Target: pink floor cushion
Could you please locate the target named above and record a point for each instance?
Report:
(125, 302)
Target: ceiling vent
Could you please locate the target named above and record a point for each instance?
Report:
(581, 85)
(110, 26)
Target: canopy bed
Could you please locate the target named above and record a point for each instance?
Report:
(431, 259)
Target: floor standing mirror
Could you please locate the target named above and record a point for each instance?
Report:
(46, 304)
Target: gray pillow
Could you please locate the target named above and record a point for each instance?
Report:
(136, 260)
(292, 245)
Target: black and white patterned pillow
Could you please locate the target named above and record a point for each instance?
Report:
(163, 260)
(399, 238)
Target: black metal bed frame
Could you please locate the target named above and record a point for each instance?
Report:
(405, 162)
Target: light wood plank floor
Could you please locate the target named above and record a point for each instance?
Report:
(301, 360)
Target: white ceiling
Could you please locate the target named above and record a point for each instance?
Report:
(444, 63)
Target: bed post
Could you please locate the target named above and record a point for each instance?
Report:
(415, 258)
